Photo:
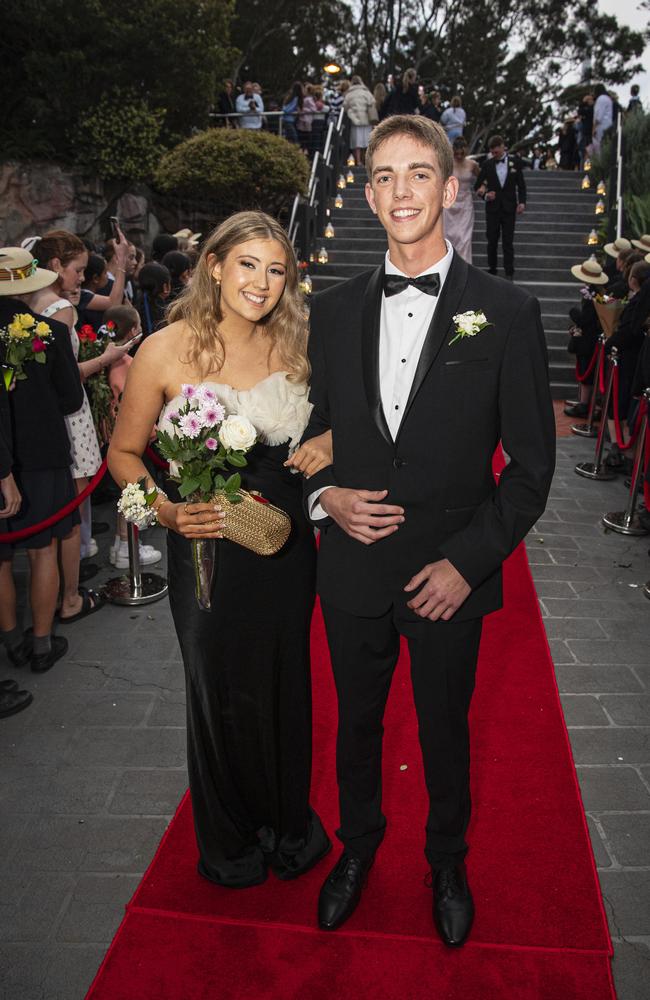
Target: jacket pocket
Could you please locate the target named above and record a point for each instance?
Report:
(458, 517)
(473, 363)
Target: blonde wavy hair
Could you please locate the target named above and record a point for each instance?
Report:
(199, 305)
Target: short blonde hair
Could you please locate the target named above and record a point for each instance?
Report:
(199, 304)
(419, 128)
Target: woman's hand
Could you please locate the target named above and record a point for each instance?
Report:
(113, 353)
(313, 455)
(193, 520)
(11, 496)
(121, 250)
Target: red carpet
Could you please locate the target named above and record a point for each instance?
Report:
(540, 931)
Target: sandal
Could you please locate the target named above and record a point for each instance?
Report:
(90, 603)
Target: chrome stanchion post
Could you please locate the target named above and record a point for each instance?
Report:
(597, 469)
(135, 587)
(627, 522)
(588, 429)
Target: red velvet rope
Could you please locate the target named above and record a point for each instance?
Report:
(637, 425)
(17, 536)
(590, 366)
(156, 459)
(601, 373)
(646, 465)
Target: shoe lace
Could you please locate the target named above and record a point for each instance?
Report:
(346, 865)
(446, 881)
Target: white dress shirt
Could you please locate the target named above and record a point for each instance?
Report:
(405, 320)
(502, 170)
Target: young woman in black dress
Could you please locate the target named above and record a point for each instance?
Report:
(240, 329)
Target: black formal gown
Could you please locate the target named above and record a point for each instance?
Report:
(247, 668)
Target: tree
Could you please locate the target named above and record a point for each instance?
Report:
(58, 59)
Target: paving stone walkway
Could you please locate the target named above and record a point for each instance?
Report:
(91, 773)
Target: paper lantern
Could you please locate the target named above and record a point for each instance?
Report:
(323, 256)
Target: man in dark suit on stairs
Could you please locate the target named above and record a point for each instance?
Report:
(502, 186)
(419, 368)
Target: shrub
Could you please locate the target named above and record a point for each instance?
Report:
(120, 138)
(235, 168)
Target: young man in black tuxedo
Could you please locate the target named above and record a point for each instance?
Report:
(413, 528)
(501, 184)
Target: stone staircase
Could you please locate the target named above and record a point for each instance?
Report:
(549, 238)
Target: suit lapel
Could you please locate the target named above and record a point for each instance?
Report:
(446, 308)
(370, 351)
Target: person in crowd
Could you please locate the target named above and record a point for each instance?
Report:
(41, 456)
(155, 287)
(179, 266)
(538, 158)
(318, 121)
(380, 94)
(453, 119)
(361, 109)
(12, 698)
(403, 97)
(603, 116)
(628, 339)
(240, 335)
(459, 217)
(634, 103)
(431, 106)
(586, 129)
(188, 242)
(226, 105)
(624, 256)
(127, 333)
(290, 110)
(305, 120)
(567, 146)
(127, 258)
(139, 263)
(502, 186)
(251, 106)
(336, 99)
(162, 244)
(585, 330)
(423, 563)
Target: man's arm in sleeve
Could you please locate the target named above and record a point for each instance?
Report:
(528, 436)
(319, 421)
(482, 176)
(65, 371)
(521, 185)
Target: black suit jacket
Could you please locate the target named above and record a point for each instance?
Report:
(465, 398)
(513, 191)
(38, 403)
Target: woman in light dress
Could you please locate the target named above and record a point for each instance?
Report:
(361, 109)
(459, 219)
(239, 333)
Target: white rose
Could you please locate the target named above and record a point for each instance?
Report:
(466, 323)
(237, 433)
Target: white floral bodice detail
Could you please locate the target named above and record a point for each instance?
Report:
(278, 409)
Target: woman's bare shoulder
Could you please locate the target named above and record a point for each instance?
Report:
(166, 345)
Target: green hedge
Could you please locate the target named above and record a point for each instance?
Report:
(235, 168)
(120, 138)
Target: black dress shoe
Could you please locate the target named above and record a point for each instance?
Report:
(19, 656)
(576, 410)
(341, 891)
(45, 661)
(12, 702)
(8, 686)
(453, 906)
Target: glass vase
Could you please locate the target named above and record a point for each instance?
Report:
(203, 556)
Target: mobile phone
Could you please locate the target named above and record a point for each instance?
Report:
(134, 340)
(115, 231)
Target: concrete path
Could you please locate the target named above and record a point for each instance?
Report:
(91, 773)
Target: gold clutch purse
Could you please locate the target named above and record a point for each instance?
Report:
(254, 522)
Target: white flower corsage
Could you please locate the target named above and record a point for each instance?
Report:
(136, 505)
(468, 324)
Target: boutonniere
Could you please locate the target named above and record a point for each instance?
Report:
(468, 324)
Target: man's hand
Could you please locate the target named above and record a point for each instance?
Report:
(490, 196)
(443, 592)
(360, 514)
(521, 208)
(11, 496)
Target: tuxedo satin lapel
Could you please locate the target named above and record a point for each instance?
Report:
(370, 351)
(450, 296)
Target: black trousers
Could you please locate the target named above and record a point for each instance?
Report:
(443, 657)
(502, 224)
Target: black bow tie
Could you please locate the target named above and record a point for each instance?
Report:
(396, 283)
(504, 159)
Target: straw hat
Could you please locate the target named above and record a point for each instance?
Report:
(643, 242)
(187, 234)
(613, 249)
(647, 258)
(19, 272)
(590, 271)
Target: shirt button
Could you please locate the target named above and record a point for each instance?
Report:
(410, 315)
(403, 361)
(397, 407)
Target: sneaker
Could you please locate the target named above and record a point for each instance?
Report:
(91, 549)
(148, 556)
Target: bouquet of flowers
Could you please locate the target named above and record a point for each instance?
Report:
(99, 391)
(204, 443)
(608, 309)
(24, 339)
